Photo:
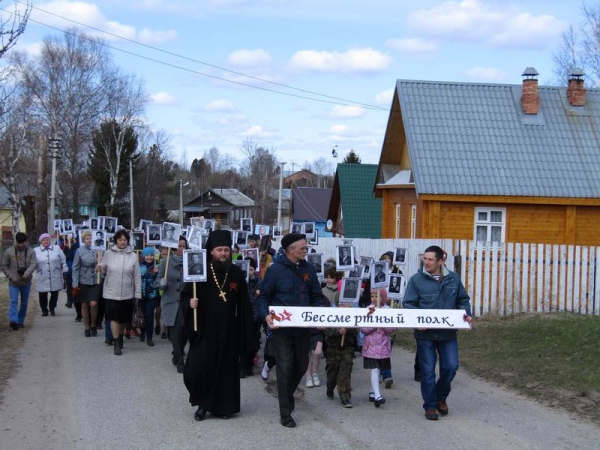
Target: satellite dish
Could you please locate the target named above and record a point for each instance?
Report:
(329, 225)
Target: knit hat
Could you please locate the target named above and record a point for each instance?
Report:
(390, 254)
(290, 238)
(218, 238)
(147, 251)
(43, 236)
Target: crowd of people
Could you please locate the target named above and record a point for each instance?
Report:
(224, 321)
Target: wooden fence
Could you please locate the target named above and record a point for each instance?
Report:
(507, 278)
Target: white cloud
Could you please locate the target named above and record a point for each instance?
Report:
(163, 98)
(359, 60)
(338, 129)
(246, 58)
(385, 98)
(486, 74)
(499, 24)
(346, 112)
(412, 45)
(148, 36)
(257, 131)
(220, 106)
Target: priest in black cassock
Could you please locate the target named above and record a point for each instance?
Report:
(225, 332)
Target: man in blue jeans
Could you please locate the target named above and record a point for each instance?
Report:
(18, 264)
(435, 287)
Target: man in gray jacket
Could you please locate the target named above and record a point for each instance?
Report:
(18, 264)
(435, 287)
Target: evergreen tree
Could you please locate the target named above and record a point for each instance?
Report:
(351, 158)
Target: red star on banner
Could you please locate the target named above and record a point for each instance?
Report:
(286, 316)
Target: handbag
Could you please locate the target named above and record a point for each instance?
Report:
(138, 320)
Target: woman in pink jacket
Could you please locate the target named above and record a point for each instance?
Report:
(377, 348)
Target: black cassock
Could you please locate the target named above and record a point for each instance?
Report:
(225, 333)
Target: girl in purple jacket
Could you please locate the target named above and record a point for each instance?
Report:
(377, 348)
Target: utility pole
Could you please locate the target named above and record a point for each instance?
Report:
(181, 186)
(279, 205)
(131, 192)
(54, 146)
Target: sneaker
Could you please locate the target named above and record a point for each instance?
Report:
(388, 383)
(431, 414)
(442, 408)
(316, 380)
(346, 404)
(309, 382)
(265, 371)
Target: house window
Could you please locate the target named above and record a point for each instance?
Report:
(237, 214)
(397, 220)
(490, 224)
(413, 221)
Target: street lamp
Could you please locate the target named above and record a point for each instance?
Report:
(334, 152)
(54, 146)
(181, 186)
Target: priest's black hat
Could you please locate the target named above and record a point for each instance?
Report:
(218, 238)
(290, 238)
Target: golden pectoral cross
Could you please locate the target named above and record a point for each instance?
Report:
(222, 295)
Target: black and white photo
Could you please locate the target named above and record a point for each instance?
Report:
(241, 237)
(357, 271)
(276, 232)
(396, 286)
(400, 256)
(314, 240)
(379, 274)
(195, 236)
(98, 240)
(296, 227)
(153, 232)
(143, 224)
(137, 238)
(208, 225)
(67, 226)
(350, 291)
(57, 224)
(196, 221)
(95, 223)
(110, 225)
(245, 266)
(366, 261)
(308, 228)
(194, 265)
(170, 234)
(252, 253)
(316, 259)
(344, 257)
(246, 224)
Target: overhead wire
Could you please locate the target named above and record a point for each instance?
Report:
(339, 101)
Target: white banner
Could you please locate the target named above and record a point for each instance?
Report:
(368, 318)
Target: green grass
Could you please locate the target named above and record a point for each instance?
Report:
(554, 358)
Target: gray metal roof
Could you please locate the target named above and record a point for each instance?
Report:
(234, 197)
(474, 139)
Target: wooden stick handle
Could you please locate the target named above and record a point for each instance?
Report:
(343, 339)
(98, 273)
(195, 309)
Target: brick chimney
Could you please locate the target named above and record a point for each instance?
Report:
(530, 100)
(576, 90)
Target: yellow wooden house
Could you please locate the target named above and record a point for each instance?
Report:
(492, 162)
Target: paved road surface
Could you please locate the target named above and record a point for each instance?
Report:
(71, 392)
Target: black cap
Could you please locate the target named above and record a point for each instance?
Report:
(290, 238)
(218, 238)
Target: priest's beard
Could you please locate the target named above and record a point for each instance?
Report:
(220, 266)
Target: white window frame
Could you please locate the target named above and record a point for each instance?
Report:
(397, 235)
(489, 224)
(413, 221)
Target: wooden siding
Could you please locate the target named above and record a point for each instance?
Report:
(405, 197)
(536, 223)
(586, 230)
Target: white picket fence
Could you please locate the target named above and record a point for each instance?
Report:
(507, 278)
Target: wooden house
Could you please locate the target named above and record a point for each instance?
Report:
(492, 162)
(225, 206)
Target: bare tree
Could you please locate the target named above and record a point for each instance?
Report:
(259, 169)
(14, 26)
(580, 47)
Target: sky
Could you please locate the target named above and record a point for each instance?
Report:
(302, 77)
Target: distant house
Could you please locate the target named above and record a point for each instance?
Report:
(492, 162)
(311, 205)
(226, 206)
(6, 218)
(353, 209)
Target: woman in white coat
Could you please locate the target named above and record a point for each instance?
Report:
(122, 284)
(51, 264)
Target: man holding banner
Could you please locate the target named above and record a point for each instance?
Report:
(290, 281)
(435, 287)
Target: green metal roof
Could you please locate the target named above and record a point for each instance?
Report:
(361, 210)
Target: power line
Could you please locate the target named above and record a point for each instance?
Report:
(346, 101)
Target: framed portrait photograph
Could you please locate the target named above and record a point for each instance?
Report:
(276, 232)
(110, 225)
(246, 224)
(93, 223)
(262, 230)
(344, 257)
(252, 253)
(153, 233)
(316, 259)
(396, 286)
(194, 265)
(314, 240)
(308, 228)
(366, 261)
(194, 236)
(245, 266)
(137, 241)
(400, 256)
(58, 224)
(357, 271)
(208, 225)
(67, 226)
(101, 222)
(143, 224)
(350, 291)
(241, 237)
(204, 239)
(380, 274)
(296, 227)
(99, 240)
(196, 221)
(170, 235)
